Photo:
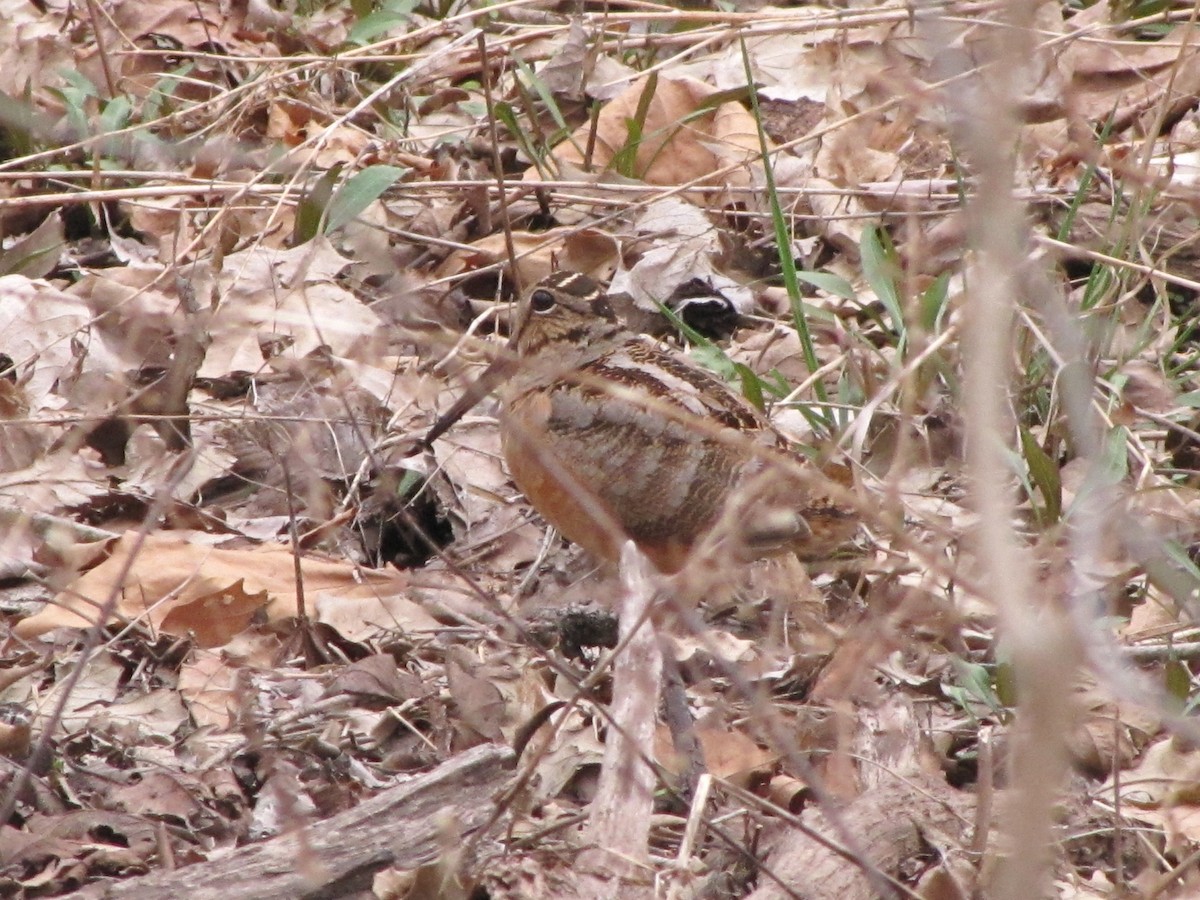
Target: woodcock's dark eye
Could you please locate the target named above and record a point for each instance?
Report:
(541, 301)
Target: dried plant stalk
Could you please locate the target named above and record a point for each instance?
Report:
(621, 811)
(1037, 635)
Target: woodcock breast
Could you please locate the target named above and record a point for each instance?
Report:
(611, 437)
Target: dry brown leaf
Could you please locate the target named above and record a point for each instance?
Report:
(294, 124)
(177, 583)
(1115, 77)
(39, 323)
(679, 143)
(194, 26)
(789, 65)
(1099, 50)
(374, 679)
(444, 595)
(1167, 510)
(21, 443)
(32, 51)
(848, 158)
(1162, 789)
(288, 294)
(173, 796)
(1100, 742)
(1157, 616)
(729, 754)
(685, 248)
(477, 490)
(586, 250)
(894, 825)
(94, 841)
(577, 68)
(479, 702)
(99, 686)
(58, 481)
(574, 755)
(1146, 386)
(370, 610)
(208, 684)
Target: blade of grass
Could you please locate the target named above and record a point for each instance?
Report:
(712, 357)
(934, 303)
(783, 239)
(625, 160)
(882, 269)
(530, 79)
(359, 192)
(312, 206)
(830, 283)
(372, 24)
(1045, 475)
(1085, 181)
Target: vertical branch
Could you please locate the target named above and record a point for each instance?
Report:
(621, 811)
(986, 119)
(485, 75)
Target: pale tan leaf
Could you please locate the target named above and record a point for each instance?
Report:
(183, 586)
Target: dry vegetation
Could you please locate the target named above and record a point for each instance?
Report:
(254, 644)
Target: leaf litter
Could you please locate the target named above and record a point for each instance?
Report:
(237, 604)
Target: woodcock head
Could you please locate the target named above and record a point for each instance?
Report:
(564, 308)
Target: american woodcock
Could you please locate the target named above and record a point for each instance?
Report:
(611, 437)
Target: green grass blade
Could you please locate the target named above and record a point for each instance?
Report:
(312, 207)
(363, 189)
(783, 240)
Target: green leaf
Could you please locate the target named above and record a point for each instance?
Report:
(544, 94)
(116, 115)
(783, 242)
(1044, 473)
(752, 387)
(775, 382)
(828, 282)
(80, 85)
(1006, 684)
(394, 14)
(934, 301)
(738, 94)
(36, 254)
(506, 114)
(1177, 681)
(976, 680)
(17, 123)
(882, 270)
(161, 100)
(1016, 464)
(624, 161)
(714, 359)
(704, 351)
(363, 189)
(312, 207)
(1175, 574)
(977, 685)
(409, 482)
(508, 117)
(1083, 191)
(1115, 456)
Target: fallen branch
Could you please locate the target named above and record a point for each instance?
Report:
(403, 827)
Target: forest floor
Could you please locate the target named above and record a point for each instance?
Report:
(254, 644)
